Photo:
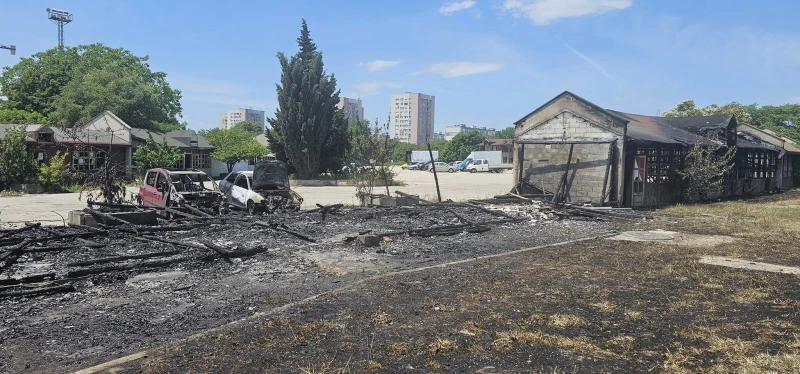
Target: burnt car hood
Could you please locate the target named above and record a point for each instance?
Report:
(270, 175)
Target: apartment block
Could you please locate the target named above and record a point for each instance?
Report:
(438, 136)
(234, 116)
(353, 109)
(411, 117)
(450, 132)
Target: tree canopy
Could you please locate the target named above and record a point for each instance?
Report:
(250, 127)
(461, 146)
(155, 155)
(506, 133)
(16, 164)
(308, 131)
(234, 145)
(71, 85)
(22, 117)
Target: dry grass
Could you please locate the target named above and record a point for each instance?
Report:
(396, 349)
(605, 306)
(373, 365)
(381, 318)
(442, 346)
(565, 320)
(632, 315)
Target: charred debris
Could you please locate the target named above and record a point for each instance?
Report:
(44, 260)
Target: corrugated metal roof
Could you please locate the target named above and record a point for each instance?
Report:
(653, 129)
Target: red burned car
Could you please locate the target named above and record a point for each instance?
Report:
(183, 190)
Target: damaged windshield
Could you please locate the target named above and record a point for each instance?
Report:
(270, 175)
(192, 182)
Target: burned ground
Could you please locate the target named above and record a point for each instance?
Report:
(591, 306)
(116, 312)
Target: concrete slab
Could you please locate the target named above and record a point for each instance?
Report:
(749, 265)
(673, 238)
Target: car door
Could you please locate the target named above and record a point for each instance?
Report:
(161, 191)
(239, 191)
(148, 188)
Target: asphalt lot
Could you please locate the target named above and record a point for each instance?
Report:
(49, 208)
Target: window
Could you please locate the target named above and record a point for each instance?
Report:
(87, 160)
(201, 160)
(150, 179)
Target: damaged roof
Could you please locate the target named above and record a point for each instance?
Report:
(175, 138)
(663, 130)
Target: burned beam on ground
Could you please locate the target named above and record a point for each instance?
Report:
(286, 230)
(107, 216)
(173, 242)
(448, 230)
(106, 260)
(28, 226)
(36, 278)
(124, 267)
(39, 291)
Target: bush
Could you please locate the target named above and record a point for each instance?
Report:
(16, 163)
(54, 177)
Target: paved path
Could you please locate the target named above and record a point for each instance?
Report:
(46, 208)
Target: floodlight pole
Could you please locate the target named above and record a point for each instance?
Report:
(11, 48)
(60, 18)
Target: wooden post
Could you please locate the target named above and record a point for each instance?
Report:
(565, 177)
(435, 177)
(521, 163)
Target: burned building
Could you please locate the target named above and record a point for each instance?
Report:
(580, 152)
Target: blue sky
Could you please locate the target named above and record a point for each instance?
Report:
(488, 62)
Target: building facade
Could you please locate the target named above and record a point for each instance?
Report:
(234, 116)
(450, 132)
(438, 136)
(352, 108)
(411, 117)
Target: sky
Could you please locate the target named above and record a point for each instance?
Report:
(487, 62)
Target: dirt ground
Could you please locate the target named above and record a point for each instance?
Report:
(50, 208)
(435, 305)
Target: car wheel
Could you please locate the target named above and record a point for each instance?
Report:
(451, 170)
(473, 170)
(251, 208)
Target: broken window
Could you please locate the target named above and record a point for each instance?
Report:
(87, 160)
(201, 160)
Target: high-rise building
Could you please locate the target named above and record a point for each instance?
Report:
(450, 132)
(234, 116)
(352, 108)
(411, 117)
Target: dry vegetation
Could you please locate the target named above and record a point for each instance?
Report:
(598, 306)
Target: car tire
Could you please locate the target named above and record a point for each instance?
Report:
(451, 170)
(251, 208)
(473, 170)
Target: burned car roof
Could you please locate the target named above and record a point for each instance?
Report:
(271, 174)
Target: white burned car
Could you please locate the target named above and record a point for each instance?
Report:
(266, 189)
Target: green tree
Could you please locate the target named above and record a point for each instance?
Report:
(73, 84)
(155, 155)
(53, 176)
(438, 145)
(358, 134)
(685, 108)
(22, 117)
(705, 170)
(506, 133)
(234, 145)
(461, 146)
(16, 163)
(401, 149)
(251, 127)
(308, 131)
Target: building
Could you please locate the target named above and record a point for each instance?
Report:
(505, 146)
(234, 116)
(450, 132)
(438, 136)
(352, 108)
(411, 117)
(580, 152)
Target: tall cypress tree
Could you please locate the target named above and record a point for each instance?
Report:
(308, 131)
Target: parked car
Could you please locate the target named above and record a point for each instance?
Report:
(414, 166)
(440, 166)
(265, 189)
(182, 190)
(424, 166)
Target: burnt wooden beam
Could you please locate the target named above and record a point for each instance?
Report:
(106, 260)
(28, 226)
(124, 267)
(286, 230)
(39, 291)
(36, 278)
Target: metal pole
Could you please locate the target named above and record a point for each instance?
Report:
(435, 177)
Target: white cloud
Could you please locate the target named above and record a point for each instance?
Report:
(592, 62)
(542, 12)
(460, 69)
(379, 65)
(456, 6)
(371, 88)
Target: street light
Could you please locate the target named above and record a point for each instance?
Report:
(11, 48)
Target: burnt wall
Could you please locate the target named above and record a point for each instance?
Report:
(545, 164)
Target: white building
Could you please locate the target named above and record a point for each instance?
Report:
(234, 116)
(411, 117)
(352, 108)
(450, 132)
(438, 136)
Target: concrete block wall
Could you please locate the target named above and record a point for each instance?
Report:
(545, 164)
(567, 125)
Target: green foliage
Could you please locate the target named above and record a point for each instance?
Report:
(155, 155)
(234, 145)
(308, 131)
(705, 170)
(506, 133)
(54, 176)
(437, 145)
(461, 146)
(372, 153)
(251, 127)
(358, 133)
(73, 84)
(401, 149)
(22, 117)
(16, 163)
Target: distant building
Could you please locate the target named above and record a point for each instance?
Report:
(352, 108)
(234, 116)
(438, 136)
(411, 117)
(451, 131)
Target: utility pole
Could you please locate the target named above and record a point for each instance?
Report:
(433, 167)
(60, 18)
(11, 48)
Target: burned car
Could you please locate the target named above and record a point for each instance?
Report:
(263, 190)
(182, 190)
